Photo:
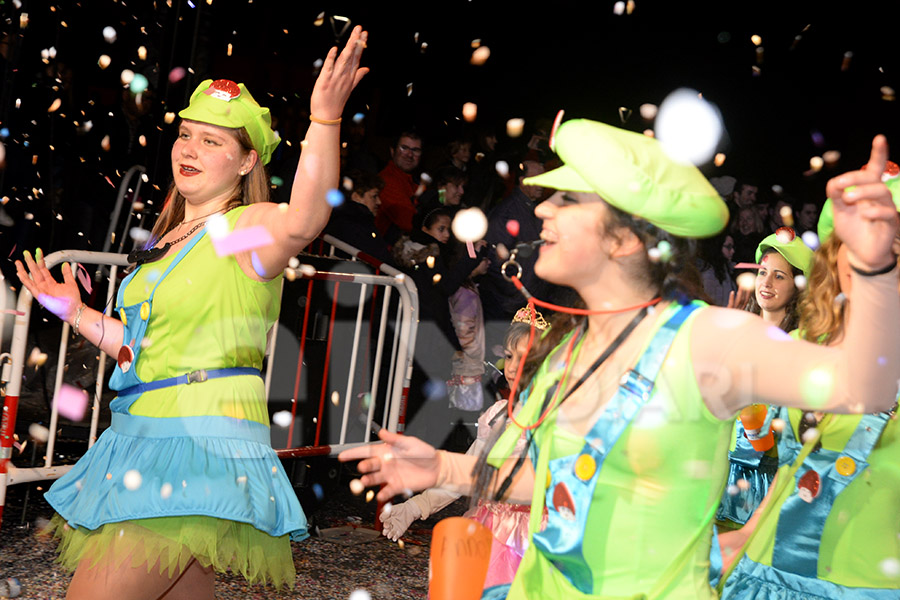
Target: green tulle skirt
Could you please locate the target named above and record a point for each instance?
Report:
(168, 544)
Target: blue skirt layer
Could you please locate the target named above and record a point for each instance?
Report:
(214, 466)
(754, 581)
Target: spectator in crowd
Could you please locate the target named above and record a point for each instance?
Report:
(398, 204)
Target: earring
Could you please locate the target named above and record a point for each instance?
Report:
(242, 173)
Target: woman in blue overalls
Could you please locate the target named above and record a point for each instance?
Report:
(185, 482)
(830, 527)
(632, 412)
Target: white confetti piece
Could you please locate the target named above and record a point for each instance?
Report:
(282, 418)
(132, 479)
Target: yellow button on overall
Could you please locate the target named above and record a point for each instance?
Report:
(585, 466)
(549, 479)
(145, 311)
(122, 316)
(845, 465)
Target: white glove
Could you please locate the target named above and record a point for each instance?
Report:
(396, 520)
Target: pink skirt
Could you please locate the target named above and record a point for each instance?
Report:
(509, 525)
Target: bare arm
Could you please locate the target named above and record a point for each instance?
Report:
(739, 359)
(405, 464)
(63, 300)
(318, 169)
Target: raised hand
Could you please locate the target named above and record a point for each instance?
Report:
(865, 217)
(62, 299)
(738, 299)
(338, 77)
(404, 464)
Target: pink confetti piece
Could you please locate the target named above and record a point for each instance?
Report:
(71, 402)
(470, 247)
(747, 265)
(83, 277)
(243, 240)
(9, 311)
(512, 226)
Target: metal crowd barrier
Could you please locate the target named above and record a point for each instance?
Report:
(393, 354)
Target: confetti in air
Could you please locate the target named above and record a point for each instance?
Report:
(469, 225)
(132, 479)
(845, 63)
(38, 432)
(334, 198)
(816, 163)
(514, 127)
(357, 487)
(139, 84)
(109, 34)
(177, 74)
(810, 239)
(242, 240)
(502, 168)
(282, 418)
(469, 111)
(746, 281)
(480, 55)
(512, 226)
(104, 61)
(335, 398)
(890, 567)
(688, 127)
(648, 111)
(71, 402)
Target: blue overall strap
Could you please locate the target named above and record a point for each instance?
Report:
(198, 376)
(574, 478)
(120, 295)
(801, 523)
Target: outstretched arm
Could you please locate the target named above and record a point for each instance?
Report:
(319, 166)
(405, 464)
(64, 301)
(739, 359)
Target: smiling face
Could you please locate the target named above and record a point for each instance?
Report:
(575, 246)
(207, 162)
(774, 282)
(407, 154)
(453, 193)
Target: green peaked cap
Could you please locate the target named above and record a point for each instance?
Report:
(794, 251)
(632, 172)
(229, 104)
(826, 217)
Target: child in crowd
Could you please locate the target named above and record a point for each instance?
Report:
(508, 522)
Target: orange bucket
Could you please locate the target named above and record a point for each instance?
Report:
(460, 553)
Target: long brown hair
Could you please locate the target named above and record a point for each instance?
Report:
(792, 308)
(254, 188)
(821, 313)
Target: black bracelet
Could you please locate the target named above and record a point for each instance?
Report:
(881, 271)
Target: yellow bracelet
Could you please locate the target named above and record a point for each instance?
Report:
(325, 121)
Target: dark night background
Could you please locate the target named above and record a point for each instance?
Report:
(577, 56)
